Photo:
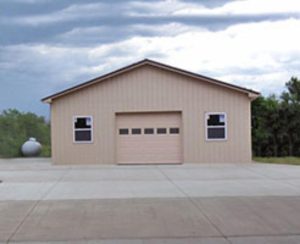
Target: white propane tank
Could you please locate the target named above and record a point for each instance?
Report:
(31, 147)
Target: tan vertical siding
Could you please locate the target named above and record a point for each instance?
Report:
(150, 89)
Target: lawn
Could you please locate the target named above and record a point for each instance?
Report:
(278, 160)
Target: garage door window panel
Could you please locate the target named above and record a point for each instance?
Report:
(83, 129)
(161, 130)
(216, 126)
(174, 130)
(123, 131)
(149, 131)
(136, 131)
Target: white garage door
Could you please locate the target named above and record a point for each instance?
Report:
(149, 138)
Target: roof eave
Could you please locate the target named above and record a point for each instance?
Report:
(253, 95)
(46, 100)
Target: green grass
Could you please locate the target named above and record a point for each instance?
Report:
(278, 160)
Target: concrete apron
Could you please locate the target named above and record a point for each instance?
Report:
(253, 203)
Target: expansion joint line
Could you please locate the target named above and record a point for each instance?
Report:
(34, 207)
(195, 205)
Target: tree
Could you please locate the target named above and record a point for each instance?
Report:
(276, 123)
(265, 126)
(17, 127)
(259, 133)
(291, 110)
(293, 87)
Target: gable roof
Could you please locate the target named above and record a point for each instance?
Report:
(251, 93)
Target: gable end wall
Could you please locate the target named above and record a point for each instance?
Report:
(150, 89)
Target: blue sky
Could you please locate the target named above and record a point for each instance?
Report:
(50, 45)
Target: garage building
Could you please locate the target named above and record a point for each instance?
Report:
(151, 113)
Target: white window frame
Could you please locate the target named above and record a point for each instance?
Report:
(207, 114)
(84, 129)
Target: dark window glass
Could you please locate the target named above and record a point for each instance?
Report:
(216, 133)
(83, 123)
(136, 131)
(174, 130)
(216, 119)
(161, 131)
(123, 131)
(85, 135)
(148, 131)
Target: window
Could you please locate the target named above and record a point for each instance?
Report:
(123, 131)
(148, 131)
(82, 126)
(174, 130)
(161, 131)
(136, 131)
(216, 126)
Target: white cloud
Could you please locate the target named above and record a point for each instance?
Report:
(160, 8)
(73, 12)
(82, 35)
(260, 56)
(261, 7)
(267, 82)
(167, 8)
(165, 29)
(238, 7)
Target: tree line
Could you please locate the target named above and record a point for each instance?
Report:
(276, 123)
(275, 126)
(16, 127)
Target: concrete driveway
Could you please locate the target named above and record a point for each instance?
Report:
(182, 204)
